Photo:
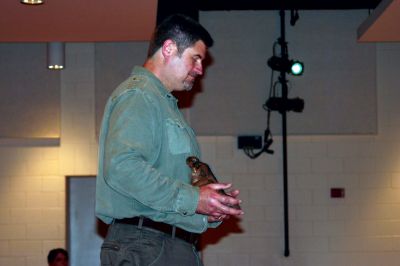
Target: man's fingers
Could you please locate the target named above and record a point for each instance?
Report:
(218, 218)
(218, 186)
(228, 200)
(225, 209)
(212, 201)
(223, 203)
(233, 193)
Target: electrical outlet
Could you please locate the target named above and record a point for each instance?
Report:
(337, 192)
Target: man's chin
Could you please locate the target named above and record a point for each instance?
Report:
(187, 86)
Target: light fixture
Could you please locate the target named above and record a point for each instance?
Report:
(293, 67)
(285, 105)
(55, 55)
(296, 68)
(32, 2)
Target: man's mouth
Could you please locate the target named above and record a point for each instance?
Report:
(191, 78)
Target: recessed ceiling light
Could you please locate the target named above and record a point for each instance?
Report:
(32, 2)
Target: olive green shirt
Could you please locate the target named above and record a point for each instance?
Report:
(143, 146)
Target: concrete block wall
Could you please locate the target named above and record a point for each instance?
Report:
(33, 173)
(32, 204)
(360, 230)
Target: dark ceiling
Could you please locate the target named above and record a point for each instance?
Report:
(208, 5)
(134, 20)
(192, 8)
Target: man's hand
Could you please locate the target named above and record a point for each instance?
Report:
(216, 205)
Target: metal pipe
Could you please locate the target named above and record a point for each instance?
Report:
(283, 81)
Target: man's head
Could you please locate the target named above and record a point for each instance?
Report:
(57, 257)
(181, 29)
(177, 50)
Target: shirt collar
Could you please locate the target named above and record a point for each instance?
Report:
(160, 88)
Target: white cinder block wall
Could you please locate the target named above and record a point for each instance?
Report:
(362, 229)
(33, 175)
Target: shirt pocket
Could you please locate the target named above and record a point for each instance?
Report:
(178, 138)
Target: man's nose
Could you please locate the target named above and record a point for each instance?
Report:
(199, 69)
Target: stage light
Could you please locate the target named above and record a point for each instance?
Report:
(297, 68)
(281, 105)
(293, 67)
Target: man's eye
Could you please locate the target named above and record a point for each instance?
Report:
(196, 60)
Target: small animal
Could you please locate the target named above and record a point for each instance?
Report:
(202, 174)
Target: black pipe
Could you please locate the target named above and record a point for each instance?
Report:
(283, 81)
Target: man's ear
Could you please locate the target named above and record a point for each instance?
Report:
(169, 48)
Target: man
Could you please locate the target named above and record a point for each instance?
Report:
(57, 257)
(143, 184)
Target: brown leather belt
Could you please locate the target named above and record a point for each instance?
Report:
(173, 231)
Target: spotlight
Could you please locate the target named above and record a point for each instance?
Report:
(296, 68)
(293, 67)
(281, 105)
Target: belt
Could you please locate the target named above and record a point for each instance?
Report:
(173, 231)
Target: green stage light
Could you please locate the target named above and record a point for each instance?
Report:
(294, 67)
(297, 68)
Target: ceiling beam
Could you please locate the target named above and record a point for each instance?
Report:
(383, 23)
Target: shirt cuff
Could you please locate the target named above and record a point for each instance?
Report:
(214, 224)
(187, 200)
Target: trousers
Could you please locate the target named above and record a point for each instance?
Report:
(129, 245)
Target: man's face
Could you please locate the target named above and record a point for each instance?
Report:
(186, 67)
(60, 260)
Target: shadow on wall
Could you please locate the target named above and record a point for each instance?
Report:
(213, 236)
(186, 98)
(101, 228)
